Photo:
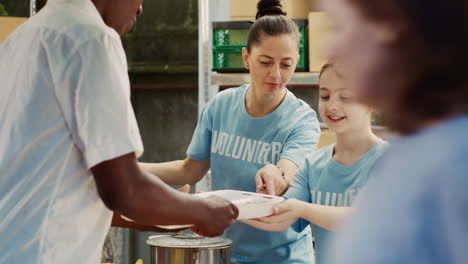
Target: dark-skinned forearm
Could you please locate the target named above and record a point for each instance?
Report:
(148, 200)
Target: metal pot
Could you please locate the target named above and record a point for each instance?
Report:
(189, 249)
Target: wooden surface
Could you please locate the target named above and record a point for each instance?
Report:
(8, 24)
(327, 137)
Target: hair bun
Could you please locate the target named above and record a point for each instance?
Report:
(269, 8)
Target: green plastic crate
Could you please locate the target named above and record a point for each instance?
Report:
(228, 60)
(230, 37)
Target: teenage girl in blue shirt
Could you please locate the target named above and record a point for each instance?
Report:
(325, 186)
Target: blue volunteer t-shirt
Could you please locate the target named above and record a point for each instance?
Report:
(322, 180)
(237, 146)
(415, 209)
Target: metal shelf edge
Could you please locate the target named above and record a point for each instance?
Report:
(306, 78)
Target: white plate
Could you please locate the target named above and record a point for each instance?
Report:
(251, 205)
(173, 227)
(168, 227)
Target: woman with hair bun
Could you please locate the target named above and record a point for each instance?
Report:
(255, 137)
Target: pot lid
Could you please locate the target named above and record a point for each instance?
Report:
(188, 241)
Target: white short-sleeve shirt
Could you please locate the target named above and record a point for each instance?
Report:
(64, 108)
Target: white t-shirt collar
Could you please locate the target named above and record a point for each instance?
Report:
(85, 6)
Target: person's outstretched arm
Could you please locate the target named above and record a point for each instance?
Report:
(179, 172)
(288, 212)
(138, 195)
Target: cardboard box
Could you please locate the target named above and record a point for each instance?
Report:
(319, 32)
(327, 137)
(8, 25)
(242, 18)
(247, 9)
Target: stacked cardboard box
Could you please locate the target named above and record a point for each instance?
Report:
(327, 137)
(319, 32)
(319, 24)
(247, 9)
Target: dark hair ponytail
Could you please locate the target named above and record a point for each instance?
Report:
(271, 21)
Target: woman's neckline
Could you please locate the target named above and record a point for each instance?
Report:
(270, 113)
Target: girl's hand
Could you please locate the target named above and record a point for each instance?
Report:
(285, 214)
(289, 209)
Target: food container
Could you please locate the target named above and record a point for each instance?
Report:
(250, 204)
(189, 249)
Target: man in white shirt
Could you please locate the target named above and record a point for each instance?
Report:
(69, 140)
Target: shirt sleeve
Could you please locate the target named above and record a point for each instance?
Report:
(303, 139)
(94, 95)
(299, 190)
(200, 146)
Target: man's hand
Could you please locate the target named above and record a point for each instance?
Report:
(269, 180)
(217, 216)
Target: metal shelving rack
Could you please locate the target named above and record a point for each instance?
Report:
(299, 78)
(209, 81)
(32, 7)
